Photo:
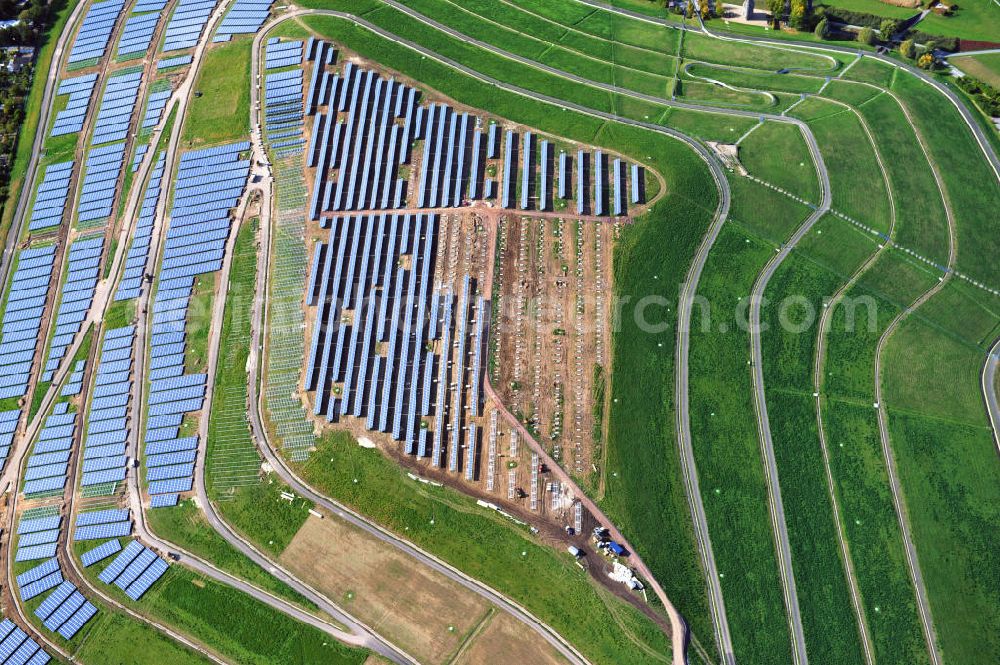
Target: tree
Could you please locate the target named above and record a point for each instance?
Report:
(866, 36)
(907, 49)
(798, 15)
(888, 27)
(706, 11)
(777, 9)
(926, 61)
(689, 9)
(822, 29)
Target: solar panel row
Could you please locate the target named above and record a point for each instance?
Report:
(65, 610)
(17, 647)
(176, 61)
(138, 252)
(134, 570)
(108, 426)
(50, 197)
(137, 34)
(186, 24)
(117, 106)
(70, 119)
(95, 31)
(83, 263)
(47, 465)
(244, 18)
(103, 166)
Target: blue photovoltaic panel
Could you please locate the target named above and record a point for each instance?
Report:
(29, 591)
(54, 600)
(163, 501)
(38, 572)
(46, 551)
(101, 531)
(102, 516)
(146, 579)
(38, 524)
(95, 31)
(115, 568)
(100, 552)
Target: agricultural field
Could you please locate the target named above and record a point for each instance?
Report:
(504, 330)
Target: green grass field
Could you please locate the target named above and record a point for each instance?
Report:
(221, 113)
(985, 67)
(776, 153)
(114, 640)
(727, 454)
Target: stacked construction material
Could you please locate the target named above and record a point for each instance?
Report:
(117, 106)
(47, 466)
(108, 422)
(138, 252)
(50, 197)
(244, 18)
(186, 24)
(95, 31)
(70, 119)
(22, 318)
(134, 570)
(77, 294)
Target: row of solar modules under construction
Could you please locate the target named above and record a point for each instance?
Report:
(70, 119)
(100, 179)
(50, 197)
(46, 471)
(138, 251)
(244, 18)
(65, 610)
(283, 113)
(17, 648)
(367, 148)
(137, 35)
(108, 423)
(209, 184)
(22, 318)
(186, 24)
(74, 302)
(134, 570)
(95, 31)
(117, 106)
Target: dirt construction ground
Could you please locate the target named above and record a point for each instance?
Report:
(503, 634)
(423, 612)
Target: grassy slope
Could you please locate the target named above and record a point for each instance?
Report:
(221, 113)
(643, 453)
(730, 469)
(776, 153)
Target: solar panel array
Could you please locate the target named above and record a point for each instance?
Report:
(17, 648)
(186, 24)
(282, 54)
(368, 148)
(108, 424)
(46, 471)
(8, 423)
(134, 570)
(209, 184)
(101, 552)
(138, 252)
(104, 165)
(22, 318)
(38, 580)
(140, 152)
(102, 524)
(137, 34)
(77, 293)
(50, 197)
(75, 381)
(359, 270)
(70, 119)
(149, 6)
(155, 104)
(65, 610)
(117, 106)
(95, 31)
(283, 113)
(177, 61)
(244, 18)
